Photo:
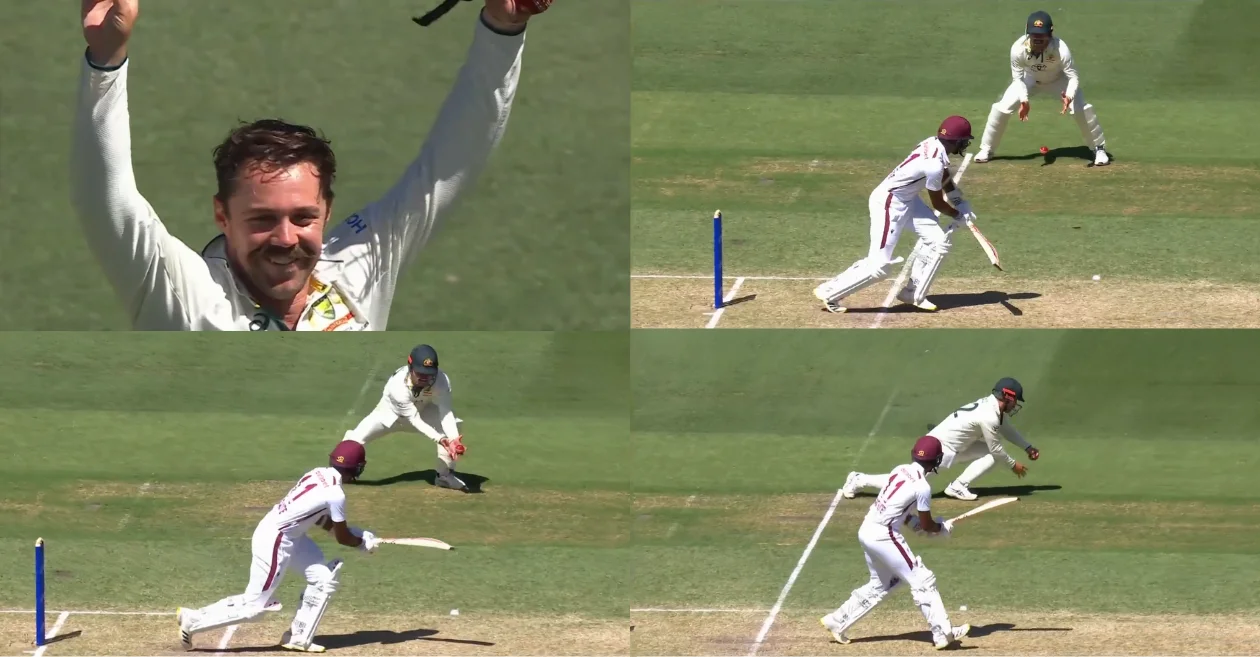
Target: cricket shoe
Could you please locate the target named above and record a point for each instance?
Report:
(1101, 157)
(983, 156)
(952, 637)
(850, 486)
(907, 296)
(286, 642)
(960, 492)
(451, 481)
(831, 306)
(184, 618)
(834, 628)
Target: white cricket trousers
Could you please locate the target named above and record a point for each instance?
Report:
(892, 564)
(274, 554)
(890, 216)
(381, 422)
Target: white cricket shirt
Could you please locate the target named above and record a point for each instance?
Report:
(908, 492)
(318, 494)
(1053, 63)
(923, 169)
(979, 420)
(400, 401)
(165, 285)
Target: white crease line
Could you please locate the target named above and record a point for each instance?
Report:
(345, 421)
(778, 604)
(710, 277)
(61, 620)
(717, 315)
(83, 612)
(227, 638)
(774, 611)
(665, 610)
(892, 294)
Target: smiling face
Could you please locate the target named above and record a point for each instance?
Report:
(274, 226)
(274, 199)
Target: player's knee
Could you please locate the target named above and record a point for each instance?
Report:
(321, 577)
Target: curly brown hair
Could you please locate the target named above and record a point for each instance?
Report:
(273, 145)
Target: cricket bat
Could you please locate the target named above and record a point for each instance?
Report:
(990, 251)
(419, 542)
(984, 507)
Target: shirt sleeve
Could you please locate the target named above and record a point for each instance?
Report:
(337, 505)
(994, 441)
(449, 426)
(1069, 69)
(935, 175)
(1018, 72)
(157, 277)
(468, 128)
(923, 498)
(1012, 434)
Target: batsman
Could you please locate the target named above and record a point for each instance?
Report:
(1042, 63)
(281, 543)
(895, 205)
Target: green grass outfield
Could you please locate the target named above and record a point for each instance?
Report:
(786, 114)
(540, 243)
(146, 461)
(1142, 503)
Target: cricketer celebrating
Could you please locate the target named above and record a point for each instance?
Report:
(280, 543)
(972, 434)
(417, 397)
(1042, 63)
(895, 205)
(906, 499)
(273, 267)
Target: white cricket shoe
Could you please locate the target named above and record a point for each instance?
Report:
(960, 492)
(449, 480)
(954, 636)
(833, 627)
(1101, 158)
(184, 618)
(286, 642)
(850, 487)
(831, 306)
(907, 296)
(983, 156)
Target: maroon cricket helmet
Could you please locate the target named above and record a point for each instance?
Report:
(927, 452)
(955, 128)
(349, 458)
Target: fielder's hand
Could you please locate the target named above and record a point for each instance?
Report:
(1023, 111)
(107, 27)
(370, 541)
(1032, 452)
(1067, 102)
(1019, 469)
(454, 447)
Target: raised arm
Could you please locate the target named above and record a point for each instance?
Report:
(468, 128)
(147, 267)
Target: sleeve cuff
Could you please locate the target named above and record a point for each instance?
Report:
(105, 69)
(482, 17)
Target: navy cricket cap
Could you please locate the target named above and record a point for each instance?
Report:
(423, 360)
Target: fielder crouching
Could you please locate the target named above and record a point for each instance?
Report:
(1042, 63)
(417, 397)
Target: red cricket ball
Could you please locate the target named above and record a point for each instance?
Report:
(1044, 150)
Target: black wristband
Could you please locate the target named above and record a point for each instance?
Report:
(106, 69)
(482, 18)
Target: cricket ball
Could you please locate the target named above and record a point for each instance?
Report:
(1044, 150)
